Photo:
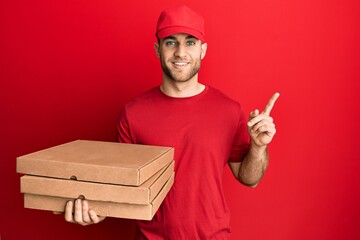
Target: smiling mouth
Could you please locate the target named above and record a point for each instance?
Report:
(180, 64)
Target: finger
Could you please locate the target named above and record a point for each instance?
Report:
(254, 114)
(271, 103)
(85, 211)
(252, 122)
(263, 123)
(268, 129)
(78, 212)
(68, 212)
(94, 217)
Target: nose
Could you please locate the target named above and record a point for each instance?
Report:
(180, 51)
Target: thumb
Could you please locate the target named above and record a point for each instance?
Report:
(254, 113)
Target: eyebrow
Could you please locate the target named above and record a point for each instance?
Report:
(174, 38)
(170, 37)
(190, 36)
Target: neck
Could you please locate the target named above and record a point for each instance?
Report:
(181, 89)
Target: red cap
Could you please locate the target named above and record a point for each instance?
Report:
(180, 19)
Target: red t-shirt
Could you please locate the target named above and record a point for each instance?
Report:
(207, 131)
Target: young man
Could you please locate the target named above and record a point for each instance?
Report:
(207, 129)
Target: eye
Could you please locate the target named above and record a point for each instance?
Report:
(190, 43)
(170, 43)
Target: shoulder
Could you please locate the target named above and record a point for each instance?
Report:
(144, 98)
(220, 98)
(225, 107)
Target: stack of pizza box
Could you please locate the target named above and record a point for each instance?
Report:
(117, 179)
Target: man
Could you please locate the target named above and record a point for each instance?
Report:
(207, 129)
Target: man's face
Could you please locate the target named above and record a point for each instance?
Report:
(180, 56)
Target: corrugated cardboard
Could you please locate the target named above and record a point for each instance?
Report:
(96, 161)
(110, 209)
(143, 194)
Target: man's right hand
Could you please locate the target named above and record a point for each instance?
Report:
(82, 215)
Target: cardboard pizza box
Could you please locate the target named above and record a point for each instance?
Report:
(97, 161)
(72, 189)
(102, 208)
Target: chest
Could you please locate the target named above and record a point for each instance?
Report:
(183, 127)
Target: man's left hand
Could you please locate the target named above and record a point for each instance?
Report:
(261, 126)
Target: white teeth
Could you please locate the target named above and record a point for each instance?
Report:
(180, 64)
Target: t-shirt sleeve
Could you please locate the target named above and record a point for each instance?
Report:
(123, 130)
(241, 144)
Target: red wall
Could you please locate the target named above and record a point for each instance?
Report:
(67, 67)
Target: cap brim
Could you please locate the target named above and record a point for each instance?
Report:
(166, 32)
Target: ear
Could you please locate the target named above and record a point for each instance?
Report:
(203, 50)
(157, 49)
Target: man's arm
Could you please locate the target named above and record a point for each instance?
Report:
(262, 130)
(251, 170)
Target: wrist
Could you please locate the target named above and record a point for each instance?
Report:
(258, 150)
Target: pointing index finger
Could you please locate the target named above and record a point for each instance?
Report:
(271, 103)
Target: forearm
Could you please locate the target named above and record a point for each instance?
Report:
(262, 130)
(254, 165)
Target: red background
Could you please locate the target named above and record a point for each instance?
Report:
(68, 66)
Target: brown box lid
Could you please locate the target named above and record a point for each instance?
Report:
(97, 161)
(110, 209)
(143, 194)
